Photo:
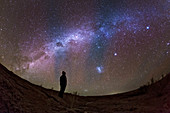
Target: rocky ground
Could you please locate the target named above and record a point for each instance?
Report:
(20, 96)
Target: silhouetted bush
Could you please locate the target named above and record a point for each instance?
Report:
(74, 99)
(152, 80)
(160, 85)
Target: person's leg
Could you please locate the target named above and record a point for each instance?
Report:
(62, 91)
(59, 94)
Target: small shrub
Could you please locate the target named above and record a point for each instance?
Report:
(162, 76)
(74, 99)
(152, 80)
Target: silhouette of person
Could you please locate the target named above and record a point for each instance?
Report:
(63, 83)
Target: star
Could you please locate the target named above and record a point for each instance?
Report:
(147, 27)
(115, 54)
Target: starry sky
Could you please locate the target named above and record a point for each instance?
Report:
(105, 46)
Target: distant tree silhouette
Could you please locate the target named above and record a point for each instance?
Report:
(162, 76)
(152, 80)
(63, 83)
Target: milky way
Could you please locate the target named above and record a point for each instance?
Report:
(105, 46)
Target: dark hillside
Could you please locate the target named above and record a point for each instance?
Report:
(20, 96)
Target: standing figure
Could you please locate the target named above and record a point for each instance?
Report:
(63, 83)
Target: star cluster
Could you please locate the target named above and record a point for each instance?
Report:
(105, 46)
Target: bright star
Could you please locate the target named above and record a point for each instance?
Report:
(147, 27)
(115, 54)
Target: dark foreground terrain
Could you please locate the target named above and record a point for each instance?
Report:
(20, 96)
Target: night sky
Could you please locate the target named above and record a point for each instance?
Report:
(105, 46)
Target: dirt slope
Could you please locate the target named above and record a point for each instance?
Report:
(20, 96)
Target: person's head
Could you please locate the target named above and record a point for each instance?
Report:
(63, 72)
